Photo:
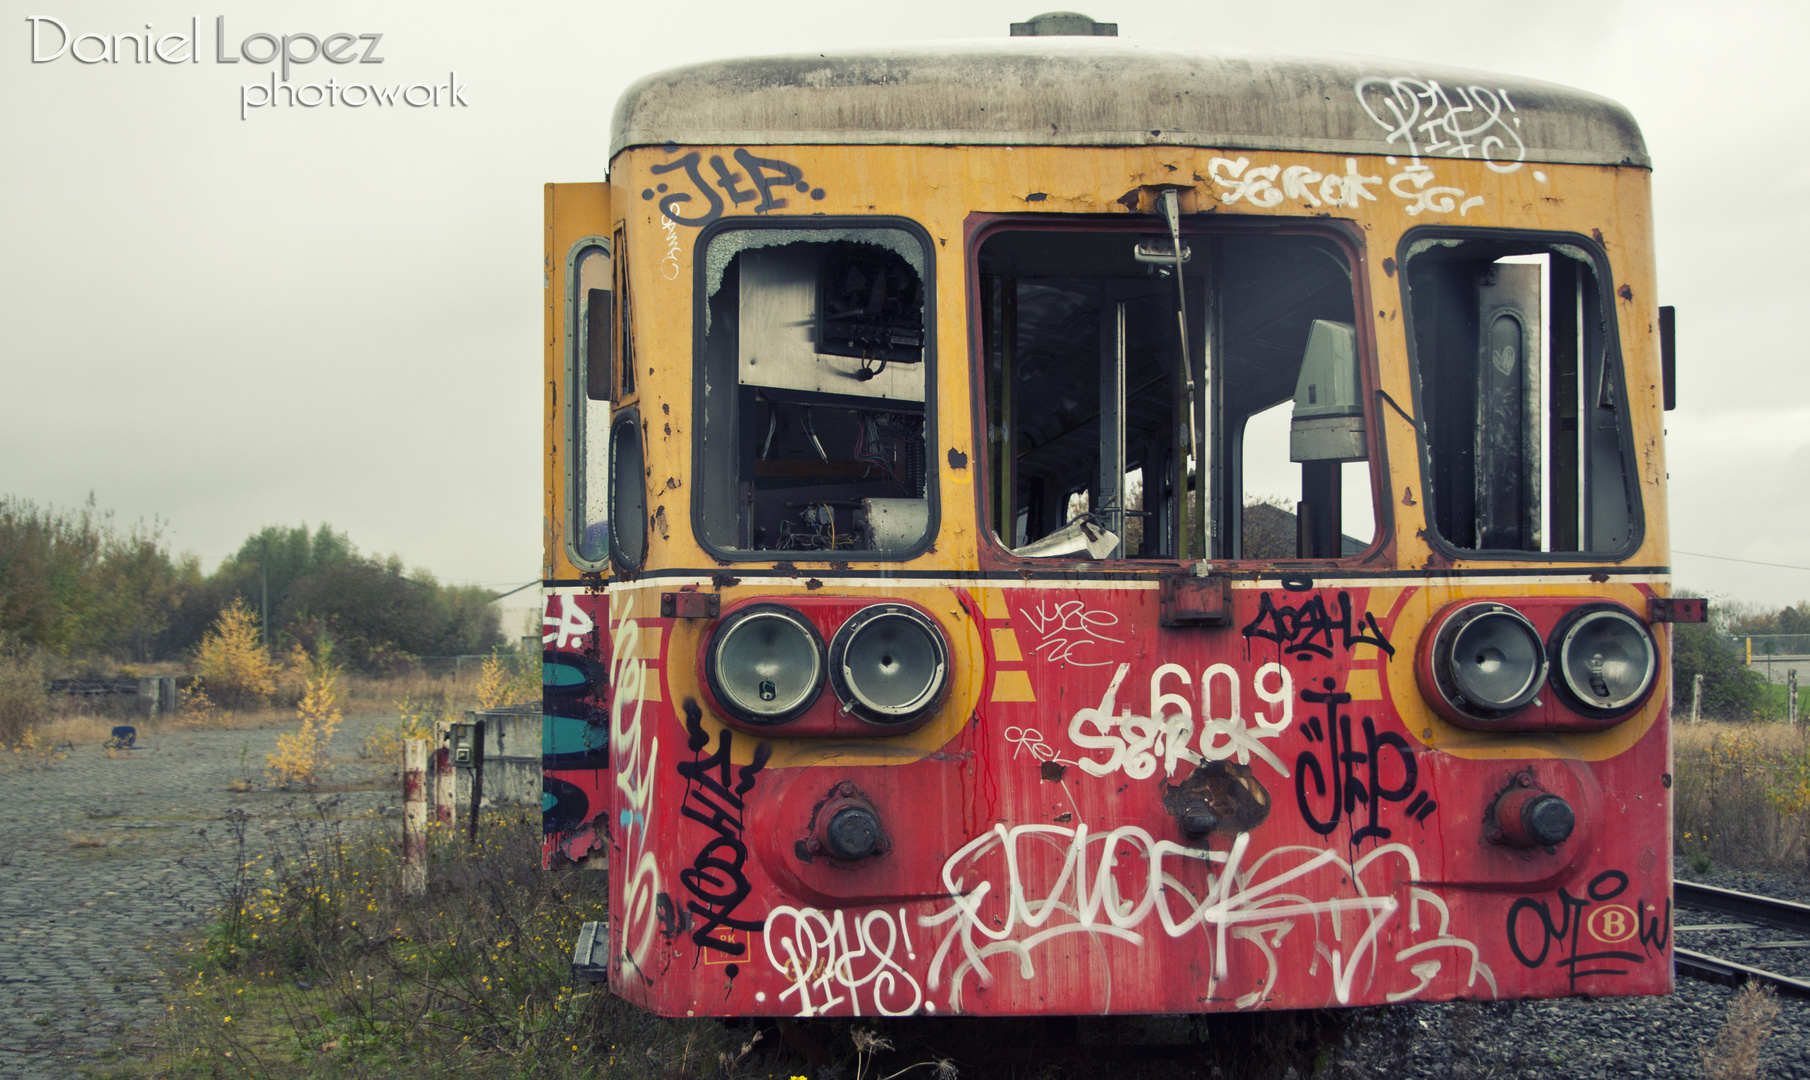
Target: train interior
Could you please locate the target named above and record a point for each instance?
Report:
(1089, 411)
(1520, 388)
(814, 405)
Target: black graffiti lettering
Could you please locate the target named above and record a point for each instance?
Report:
(1603, 887)
(770, 178)
(715, 795)
(1312, 630)
(766, 174)
(728, 180)
(670, 201)
(1655, 933)
(1350, 786)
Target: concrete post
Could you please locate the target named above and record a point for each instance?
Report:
(1791, 695)
(414, 817)
(1696, 698)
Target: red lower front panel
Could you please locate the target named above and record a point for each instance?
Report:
(1043, 848)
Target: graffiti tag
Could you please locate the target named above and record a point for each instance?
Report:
(1609, 924)
(998, 906)
(765, 177)
(715, 876)
(1165, 733)
(1309, 630)
(638, 915)
(1343, 758)
(1447, 121)
(1069, 628)
(571, 623)
(812, 948)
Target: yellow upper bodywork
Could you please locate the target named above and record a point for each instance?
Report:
(942, 188)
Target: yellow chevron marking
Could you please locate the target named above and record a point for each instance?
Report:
(1013, 685)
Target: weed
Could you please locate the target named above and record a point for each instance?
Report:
(1735, 1055)
(33, 753)
(324, 969)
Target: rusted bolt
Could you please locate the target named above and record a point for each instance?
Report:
(1494, 834)
(814, 846)
(1524, 780)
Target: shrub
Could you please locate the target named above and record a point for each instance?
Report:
(502, 682)
(23, 703)
(232, 663)
(301, 756)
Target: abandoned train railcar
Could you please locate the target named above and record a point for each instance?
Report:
(1058, 525)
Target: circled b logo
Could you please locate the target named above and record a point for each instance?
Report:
(1612, 923)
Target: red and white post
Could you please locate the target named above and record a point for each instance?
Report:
(414, 817)
(444, 779)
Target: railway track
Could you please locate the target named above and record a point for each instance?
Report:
(1746, 924)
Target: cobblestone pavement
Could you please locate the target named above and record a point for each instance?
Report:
(90, 880)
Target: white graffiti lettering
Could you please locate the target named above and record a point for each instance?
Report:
(1069, 628)
(995, 911)
(669, 260)
(1030, 741)
(813, 950)
(571, 624)
(1428, 119)
(634, 762)
(1257, 185)
(1165, 733)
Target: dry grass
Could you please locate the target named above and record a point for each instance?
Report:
(85, 840)
(1742, 794)
(1735, 1055)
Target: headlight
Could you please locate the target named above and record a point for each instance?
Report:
(765, 664)
(1487, 661)
(889, 664)
(1605, 659)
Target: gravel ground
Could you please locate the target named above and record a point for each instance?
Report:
(104, 859)
(101, 859)
(1599, 1037)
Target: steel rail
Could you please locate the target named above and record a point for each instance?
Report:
(1729, 973)
(1785, 914)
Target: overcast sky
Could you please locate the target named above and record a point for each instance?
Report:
(333, 314)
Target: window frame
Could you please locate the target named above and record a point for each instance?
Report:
(1612, 346)
(1349, 238)
(700, 360)
(574, 385)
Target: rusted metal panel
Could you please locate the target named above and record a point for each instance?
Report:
(1103, 91)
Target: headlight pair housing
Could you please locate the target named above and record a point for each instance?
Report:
(1536, 664)
(766, 664)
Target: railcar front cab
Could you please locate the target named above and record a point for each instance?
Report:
(1166, 392)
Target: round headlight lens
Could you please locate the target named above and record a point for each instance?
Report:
(766, 664)
(1489, 661)
(889, 664)
(1606, 659)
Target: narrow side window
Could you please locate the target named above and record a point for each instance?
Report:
(588, 391)
(1521, 391)
(625, 328)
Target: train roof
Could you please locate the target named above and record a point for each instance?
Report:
(1109, 91)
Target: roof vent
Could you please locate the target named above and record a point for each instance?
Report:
(1064, 24)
